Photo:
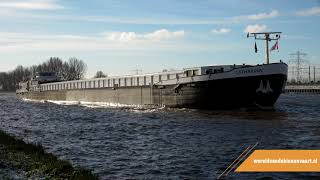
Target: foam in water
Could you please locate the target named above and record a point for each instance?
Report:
(100, 104)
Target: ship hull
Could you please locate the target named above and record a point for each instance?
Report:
(253, 91)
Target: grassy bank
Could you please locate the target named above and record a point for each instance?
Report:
(35, 162)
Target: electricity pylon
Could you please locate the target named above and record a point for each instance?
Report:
(298, 60)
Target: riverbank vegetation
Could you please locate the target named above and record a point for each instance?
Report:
(37, 163)
(73, 69)
(100, 74)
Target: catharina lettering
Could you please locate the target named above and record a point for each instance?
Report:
(245, 71)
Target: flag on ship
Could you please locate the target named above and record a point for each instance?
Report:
(275, 46)
(255, 47)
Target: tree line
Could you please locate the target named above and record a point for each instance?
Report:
(72, 69)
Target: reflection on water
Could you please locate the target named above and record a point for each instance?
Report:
(150, 142)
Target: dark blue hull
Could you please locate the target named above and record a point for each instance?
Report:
(255, 91)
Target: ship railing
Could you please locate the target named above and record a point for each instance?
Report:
(295, 87)
(138, 80)
(111, 82)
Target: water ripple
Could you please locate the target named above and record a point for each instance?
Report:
(141, 142)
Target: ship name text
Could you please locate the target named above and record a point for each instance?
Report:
(246, 71)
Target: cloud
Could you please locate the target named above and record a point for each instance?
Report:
(31, 5)
(309, 12)
(158, 35)
(11, 42)
(223, 20)
(164, 34)
(262, 16)
(52, 4)
(221, 31)
(255, 28)
(14, 43)
(256, 17)
(120, 36)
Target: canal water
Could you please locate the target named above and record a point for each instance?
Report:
(159, 143)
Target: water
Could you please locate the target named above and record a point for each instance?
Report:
(147, 143)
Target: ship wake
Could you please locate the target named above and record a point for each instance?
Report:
(134, 108)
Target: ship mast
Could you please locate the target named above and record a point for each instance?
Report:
(266, 36)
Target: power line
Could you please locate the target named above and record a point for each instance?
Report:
(308, 73)
(298, 61)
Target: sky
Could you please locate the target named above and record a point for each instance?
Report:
(120, 36)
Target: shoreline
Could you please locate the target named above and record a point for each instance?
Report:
(23, 160)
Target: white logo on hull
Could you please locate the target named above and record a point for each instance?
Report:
(264, 89)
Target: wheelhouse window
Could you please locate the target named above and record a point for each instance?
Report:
(189, 73)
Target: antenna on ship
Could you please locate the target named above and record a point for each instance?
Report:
(266, 36)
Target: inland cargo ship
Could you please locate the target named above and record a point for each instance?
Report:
(205, 87)
(208, 87)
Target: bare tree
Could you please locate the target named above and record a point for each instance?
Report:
(9, 80)
(55, 64)
(4, 81)
(100, 74)
(33, 70)
(20, 74)
(65, 74)
(76, 69)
